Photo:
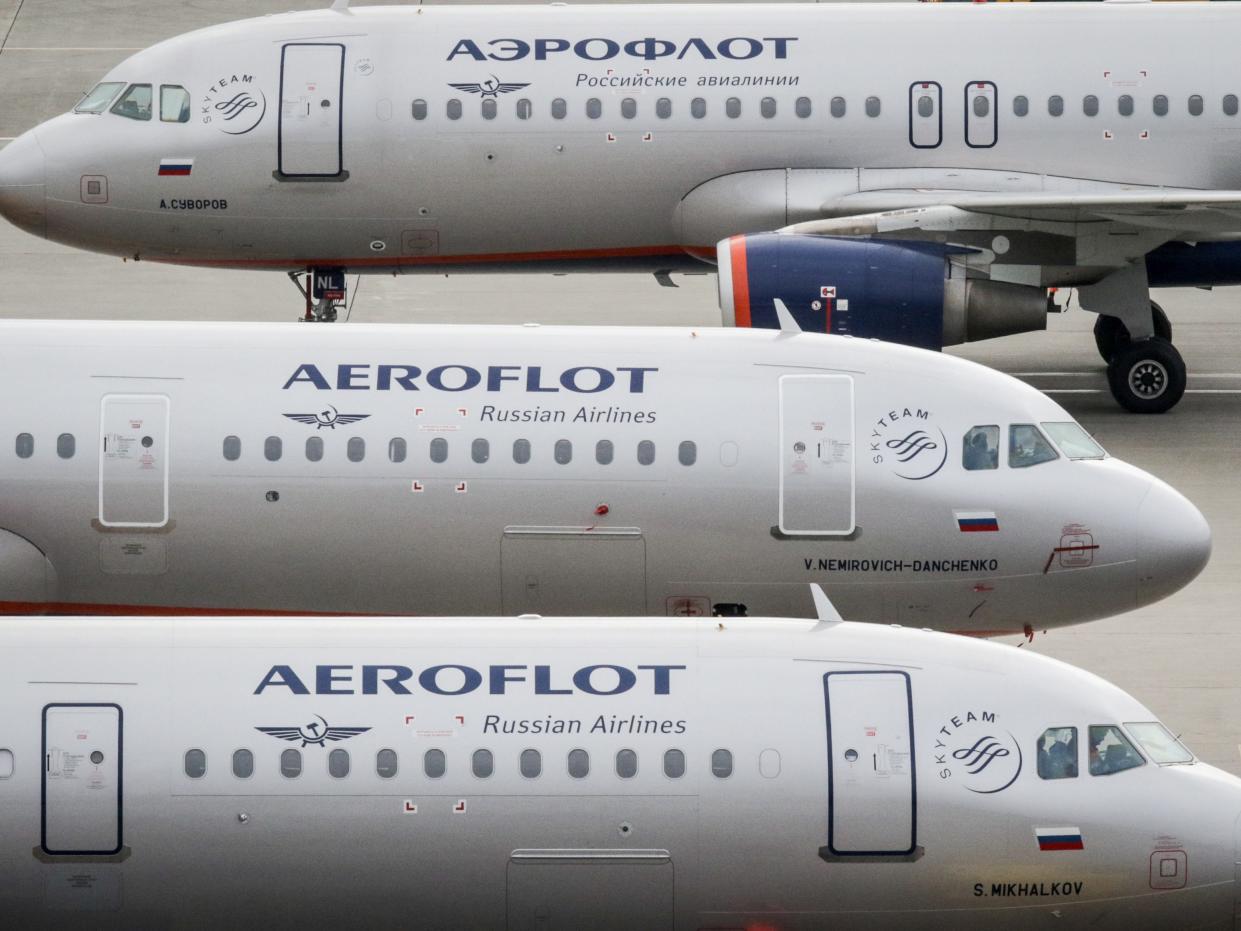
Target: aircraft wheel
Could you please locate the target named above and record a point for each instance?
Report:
(1147, 377)
(1110, 333)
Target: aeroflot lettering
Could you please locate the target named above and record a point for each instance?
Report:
(736, 48)
(581, 379)
(455, 679)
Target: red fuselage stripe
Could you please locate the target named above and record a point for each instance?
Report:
(741, 281)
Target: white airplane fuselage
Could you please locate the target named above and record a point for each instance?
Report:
(589, 773)
(460, 470)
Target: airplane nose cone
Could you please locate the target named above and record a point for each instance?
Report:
(1174, 543)
(22, 192)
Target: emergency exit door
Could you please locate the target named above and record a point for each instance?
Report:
(982, 118)
(310, 138)
(81, 779)
(133, 460)
(926, 118)
(816, 455)
(872, 791)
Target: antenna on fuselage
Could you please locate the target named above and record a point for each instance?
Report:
(787, 323)
(824, 609)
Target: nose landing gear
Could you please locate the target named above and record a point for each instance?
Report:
(324, 293)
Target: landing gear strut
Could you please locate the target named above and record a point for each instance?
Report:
(324, 293)
(1110, 333)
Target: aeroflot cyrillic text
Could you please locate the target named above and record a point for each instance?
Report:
(455, 679)
(735, 48)
(581, 379)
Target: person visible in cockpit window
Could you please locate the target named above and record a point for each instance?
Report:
(1057, 753)
(981, 450)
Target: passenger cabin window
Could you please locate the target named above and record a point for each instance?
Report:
(687, 453)
(674, 764)
(452, 109)
(243, 764)
(1055, 105)
(646, 453)
(803, 108)
(926, 106)
(1028, 447)
(66, 446)
(559, 108)
(385, 764)
(663, 108)
(291, 763)
(232, 448)
(626, 764)
(1021, 106)
(480, 450)
(489, 108)
(872, 106)
(563, 452)
(174, 104)
(24, 447)
(1159, 744)
(195, 764)
(135, 103)
(439, 449)
(521, 451)
(338, 764)
(1160, 105)
(732, 107)
(1230, 105)
(594, 108)
(525, 109)
(629, 108)
(838, 107)
(698, 108)
(981, 450)
(1195, 105)
(433, 763)
(6, 764)
(1057, 753)
(982, 106)
(1090, 105)
(579, 764)
(1110, 751)
(1074, 441)
(419, 109)
(314, 448)
(355, 449)
(722, 764)
(531, 763)
(98, 99)
(273, 449)
(604, 451)
(482, 764)
(767, 107)
(1124, 105)
(396, 449)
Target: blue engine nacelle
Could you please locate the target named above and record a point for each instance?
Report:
(902, 292)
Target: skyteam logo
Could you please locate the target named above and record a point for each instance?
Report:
(907, 439)
(316, 733)
(233, 104)
(492, 87)
(973, 750)
(328, 417)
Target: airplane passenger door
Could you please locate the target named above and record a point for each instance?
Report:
(926, 118)
(981, 115)
(872, 791)
(310, 138)
(816, 455)
(133, 460)
(81, 779)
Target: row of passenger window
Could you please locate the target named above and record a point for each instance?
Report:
(768, 108)
(1110, 750)
(438, 448)
(66, 445)
(1126, 105)
(435, 763)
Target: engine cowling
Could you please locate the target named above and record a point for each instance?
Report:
(902, 292)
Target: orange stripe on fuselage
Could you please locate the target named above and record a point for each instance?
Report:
(741, 281)
(72, 608)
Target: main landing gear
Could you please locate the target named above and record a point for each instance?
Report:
(324, 293)
(1146, 376)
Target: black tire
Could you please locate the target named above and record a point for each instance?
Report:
(1110, 333)
(1147, 377)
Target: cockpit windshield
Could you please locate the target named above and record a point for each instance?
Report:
(98, 99)
(135, 103)
(1159, 743)
(1074, 441)
(1110, 751)
(1028, 447)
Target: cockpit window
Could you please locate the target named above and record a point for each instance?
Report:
(98, 99)
(1057, 753)
(1111, 751)
(1074, 441)
(1159, 743)
(982, 449)
(135, 103)
(174, 104)
(1028, 447)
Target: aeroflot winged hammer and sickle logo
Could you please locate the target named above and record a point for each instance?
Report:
(909, 441)
(328, 417)
(492, 87)
(317, 732)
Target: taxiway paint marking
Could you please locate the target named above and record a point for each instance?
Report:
(1101, 391)
(69, 48)
(1091, 374)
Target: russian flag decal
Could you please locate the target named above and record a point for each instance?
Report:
(977, 521)
(1059, 839)
(175, 167)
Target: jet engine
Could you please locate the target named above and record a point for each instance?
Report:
(902, 292)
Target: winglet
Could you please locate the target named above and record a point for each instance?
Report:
(787, 323)
(826, 611)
